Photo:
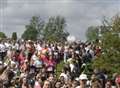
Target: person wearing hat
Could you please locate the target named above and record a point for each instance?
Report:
(75, 83)
(83, 81)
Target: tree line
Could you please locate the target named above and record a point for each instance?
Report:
(52, 30)
(13, 37)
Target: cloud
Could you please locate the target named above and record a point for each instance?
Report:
(80, 14)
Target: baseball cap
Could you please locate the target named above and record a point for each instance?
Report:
(83, 77)
(77, 79)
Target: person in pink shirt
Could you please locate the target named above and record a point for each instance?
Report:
(38, 82)
(50, 64)
(21, 57)
(37, 85)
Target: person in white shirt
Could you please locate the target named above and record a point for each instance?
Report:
(83, 81)
(2, 51)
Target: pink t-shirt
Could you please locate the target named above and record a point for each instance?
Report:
(21, 58)
(37, 85)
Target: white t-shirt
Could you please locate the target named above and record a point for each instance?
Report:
(16, 46)
(7, 45)
(2, 48)
(66, 49)
(39, 48)
(72, 66)
(92, 53)
(34, 57)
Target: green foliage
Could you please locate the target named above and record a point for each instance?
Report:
(2, 35)
(95, 32)
(30, 34)
(116, 23)
(92, 33)
(14, 36)
(33, 29)
(109, 60)
(55, 29)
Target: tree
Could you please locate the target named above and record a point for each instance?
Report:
(55, 29)
(109, 59)
(30, 33)
(2, 35)
(95, 32)
(33, 29)
(14, 36)
(40, 28)
(92, 33)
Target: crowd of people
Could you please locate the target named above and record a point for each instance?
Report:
(33, 64)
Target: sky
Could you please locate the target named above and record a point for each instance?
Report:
(79, 14)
